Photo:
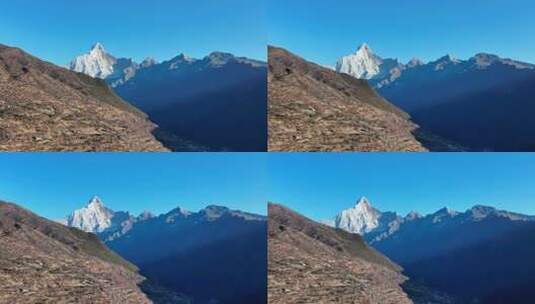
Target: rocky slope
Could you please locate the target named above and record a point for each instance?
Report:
(46, 262)
(312, 108)
(313, 263)
(47, 108)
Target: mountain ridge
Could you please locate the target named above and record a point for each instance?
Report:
(376, 226)
(383, 74)
(482, 103)
(98, 63)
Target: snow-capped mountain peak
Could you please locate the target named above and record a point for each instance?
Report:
(175, 214)
(361, 218)
(447, 211)
(217, 59)
(147, 62)
(364, 50)
(363, 202)
(413, 215)
(98, 47)
(180, 61)
(182, 58)
(95, 203)
(97, 63)
(444, 62)
(443, 213)
(414, 62)
(363, 64)
(94, 217)
(145, 215)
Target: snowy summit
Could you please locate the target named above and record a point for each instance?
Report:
(97, 63)
(363, 64)
(94, 217)
(361, 219)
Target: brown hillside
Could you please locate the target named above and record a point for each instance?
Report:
(45, 262)
(47, 108)
(312, 263)
(312, 108)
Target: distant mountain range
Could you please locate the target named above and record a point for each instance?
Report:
(488, 247)
(45, 262)
(44, 107)
(215, 255)
(312, 108)
(313, 263)
(215, 103)
(483, 103)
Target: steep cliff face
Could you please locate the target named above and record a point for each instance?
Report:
(47, 108)
(312, 108)
(312, 263)
(45, 262)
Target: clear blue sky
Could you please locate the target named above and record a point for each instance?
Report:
(54, 184)
(58, 30)
(322, 31)
(315, 184)
(320, 185)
